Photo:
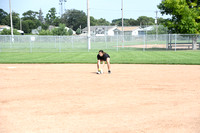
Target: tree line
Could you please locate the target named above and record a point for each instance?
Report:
(74, 19)
(184, 19)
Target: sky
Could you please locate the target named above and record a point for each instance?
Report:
(108, 9)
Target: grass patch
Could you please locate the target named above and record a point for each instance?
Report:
(122, 57)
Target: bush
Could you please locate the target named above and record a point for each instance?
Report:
(161, 30)
(60, 30)
(28, 25)
(45, 26)
(78, 31)
(8, 32)
(45, 32)
(70, 32)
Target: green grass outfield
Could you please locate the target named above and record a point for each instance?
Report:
(121, 57)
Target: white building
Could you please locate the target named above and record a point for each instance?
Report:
(144, 31)
(128, 30)
(67, 28)
(4, 27)
(100, 30)
(114, 30)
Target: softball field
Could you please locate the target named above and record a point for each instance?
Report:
(71, 98)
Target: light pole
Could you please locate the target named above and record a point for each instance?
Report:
(20, 24)
(122, 4)
(156, 21)
(88, 25)
(62, 6)
(11, 22)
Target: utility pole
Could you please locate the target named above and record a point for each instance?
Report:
(20, 24)
(122, 9)
(88, 25)
(11, 22)
(156, 21)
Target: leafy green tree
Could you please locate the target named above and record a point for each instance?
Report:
(51, 18)
(98, 22)
(74, 19)
(162, 21)
(25, 26)
(70, 32)
(102, 21)
(15, 18)
(57, 21)
(40, 16)
(30, 21)
(3, 16)
(60, 30)
(8, 32)
(93, 21)
(185, 16)
(45, 32)
(145, 21)
(30, 15)
(118, 22)
(45, 26)
(28, 25)
(161, 30)
(133, 22)
(78, 31)
(142, 20)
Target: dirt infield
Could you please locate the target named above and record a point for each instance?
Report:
(71, 98)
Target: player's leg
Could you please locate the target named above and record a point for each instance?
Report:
(108, 64)
(103, 64)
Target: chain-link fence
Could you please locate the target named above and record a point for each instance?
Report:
(30, 43)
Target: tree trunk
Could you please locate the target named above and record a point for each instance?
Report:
(194, 42)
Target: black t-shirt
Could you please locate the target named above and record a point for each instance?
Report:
(104, 57)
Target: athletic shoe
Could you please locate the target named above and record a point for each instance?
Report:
(109, 72)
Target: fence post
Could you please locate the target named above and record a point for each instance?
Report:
(175, 41)
(72, 40)
(2, 43)
(10, 41)
(106, 41)
(117, 41)
(167, 41)
(30, 46)
(89, 46)
(55, 42)
(59, 45)
(144, 42)
(170, 41)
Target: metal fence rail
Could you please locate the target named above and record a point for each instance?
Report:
(30, 43)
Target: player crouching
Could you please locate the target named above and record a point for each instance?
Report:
(103, 57)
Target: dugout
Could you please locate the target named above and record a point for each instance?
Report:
(183, 42)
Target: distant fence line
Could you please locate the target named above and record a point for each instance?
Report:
(34, 43)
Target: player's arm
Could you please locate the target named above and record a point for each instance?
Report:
(98, 64)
